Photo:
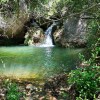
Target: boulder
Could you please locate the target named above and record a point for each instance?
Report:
(73, 34)
(58, 37)
(13, 29)
(34, 36)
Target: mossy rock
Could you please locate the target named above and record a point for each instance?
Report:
(34, 36)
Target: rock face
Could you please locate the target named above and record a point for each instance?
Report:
(3, 27)
(12, 29)
(12, 23)
(58, 37)
(34, 36)
(73, 34)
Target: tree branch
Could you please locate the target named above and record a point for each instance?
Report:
(74, 14)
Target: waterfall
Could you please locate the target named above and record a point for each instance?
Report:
(48, 38)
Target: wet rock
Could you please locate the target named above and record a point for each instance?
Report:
(34, 36)
(73, 34)
(58, 40)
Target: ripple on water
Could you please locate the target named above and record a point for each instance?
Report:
(37, 61)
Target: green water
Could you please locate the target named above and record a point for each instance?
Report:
(33, 62)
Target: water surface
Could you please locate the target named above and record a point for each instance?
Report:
(32, 62)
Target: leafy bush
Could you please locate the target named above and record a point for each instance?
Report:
(94, 32)
(12, 91)
(87, 79)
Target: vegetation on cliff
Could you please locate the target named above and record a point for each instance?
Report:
(18, 15)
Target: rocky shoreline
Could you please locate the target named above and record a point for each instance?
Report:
(54, 88)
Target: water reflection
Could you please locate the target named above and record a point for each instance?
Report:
(48, 52)
(48, 57)
(31, 61)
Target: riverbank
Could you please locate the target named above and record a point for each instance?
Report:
(53, 88)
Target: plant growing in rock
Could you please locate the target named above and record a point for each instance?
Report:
(12, 91)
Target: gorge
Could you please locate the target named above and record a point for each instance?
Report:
(49, 50)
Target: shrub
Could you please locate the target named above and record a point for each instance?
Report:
(12, 91)
(87, 80)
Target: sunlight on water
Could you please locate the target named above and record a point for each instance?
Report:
(33, 62)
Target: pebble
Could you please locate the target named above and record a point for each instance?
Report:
(30, 87)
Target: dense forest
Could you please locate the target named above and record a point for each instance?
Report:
(49, 49)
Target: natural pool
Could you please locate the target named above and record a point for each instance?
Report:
(36, 62)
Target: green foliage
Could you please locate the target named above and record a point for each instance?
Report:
(80, 6)
(95, 50)
(64, 95)
(12, 91)
(94, 32)
(3, 1)
(87, 79)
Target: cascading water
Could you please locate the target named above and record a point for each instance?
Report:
(48, 38)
